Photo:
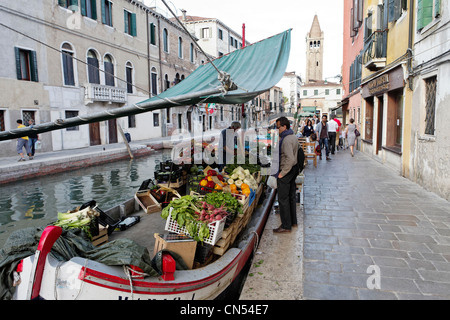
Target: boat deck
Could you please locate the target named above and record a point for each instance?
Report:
(143, 232)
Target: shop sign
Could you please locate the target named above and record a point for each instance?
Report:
(379, 85)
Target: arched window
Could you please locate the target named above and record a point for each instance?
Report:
(180, 48)
(177, 78)
(129, 77)
(109, 71)
(166, 40)
(68, 64)
(154, 76)
(191, 53)
(93, 67)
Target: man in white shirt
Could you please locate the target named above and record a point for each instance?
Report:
(332, 128)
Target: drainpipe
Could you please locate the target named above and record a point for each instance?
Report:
(163, 114)
(148, 58)
(243, 116)
(410, 44)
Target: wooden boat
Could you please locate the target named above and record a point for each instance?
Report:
(43, 277)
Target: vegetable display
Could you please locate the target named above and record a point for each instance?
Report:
(80, 219)
(196, 214)
(243, 179)
(226, 200)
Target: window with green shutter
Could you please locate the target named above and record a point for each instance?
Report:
(129, 23)
(89, 8)
(26, 65)
(69, 4)
(426, 11)
(437, 8)
(152, 34)
(106, 6)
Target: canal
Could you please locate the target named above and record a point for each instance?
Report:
(39, 200)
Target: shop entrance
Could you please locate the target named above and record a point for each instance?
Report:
(380, 124)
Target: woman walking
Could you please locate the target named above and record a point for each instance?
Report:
(308, 129)
(351, 136)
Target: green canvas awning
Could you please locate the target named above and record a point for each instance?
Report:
(254, 69)
(244, 73)
(309, 109)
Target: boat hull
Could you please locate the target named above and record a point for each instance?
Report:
(82, 279)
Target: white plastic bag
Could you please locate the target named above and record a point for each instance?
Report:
(272, 182)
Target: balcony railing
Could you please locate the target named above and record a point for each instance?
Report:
(97, 92)
(375, 49)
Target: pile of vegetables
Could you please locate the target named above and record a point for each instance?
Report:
(196, 214)
(78, 219)
(224, 199)
(212, 181)
(252, 168)
(243, 179)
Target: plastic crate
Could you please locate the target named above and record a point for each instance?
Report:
(104, 219)
(215, 229)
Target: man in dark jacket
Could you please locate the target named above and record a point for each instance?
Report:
(286, 176)
(227, 142)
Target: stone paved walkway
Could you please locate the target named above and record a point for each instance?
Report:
(359, 213)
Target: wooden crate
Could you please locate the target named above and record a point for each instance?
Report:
(147, 202)
(182, 245)
(174, 185)
(102, 237)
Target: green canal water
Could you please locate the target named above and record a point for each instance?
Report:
(36, 201)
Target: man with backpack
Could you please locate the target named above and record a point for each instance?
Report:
(291, 161)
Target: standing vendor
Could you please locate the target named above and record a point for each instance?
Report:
(227, 142)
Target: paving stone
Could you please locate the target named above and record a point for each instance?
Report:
(390, 262)
(386, 253)
(366, 294)
(375, 220)
(318, 291)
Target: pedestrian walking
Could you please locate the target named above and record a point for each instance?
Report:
(32, 138)
(322, 135)
(351, 136)
(342, 139)
(315, 119)
(23, 143)
(308, 129)
(339, 131)
(333, 128)
(286, 175)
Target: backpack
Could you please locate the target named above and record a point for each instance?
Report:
(300, 159)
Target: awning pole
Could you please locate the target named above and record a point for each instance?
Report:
(111, 114)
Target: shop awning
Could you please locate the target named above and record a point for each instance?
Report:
(245, 74)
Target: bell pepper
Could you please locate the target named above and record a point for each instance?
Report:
(220, 177)
(204, 182)
(218, 187)
(211, 184)
(212, 173)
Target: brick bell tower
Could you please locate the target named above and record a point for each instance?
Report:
(314, 52)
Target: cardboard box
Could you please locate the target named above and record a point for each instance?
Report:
(182, 245)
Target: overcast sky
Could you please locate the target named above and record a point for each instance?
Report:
(264, 18)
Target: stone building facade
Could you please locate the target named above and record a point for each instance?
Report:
(68, 58)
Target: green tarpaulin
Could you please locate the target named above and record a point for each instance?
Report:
(254, 69)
